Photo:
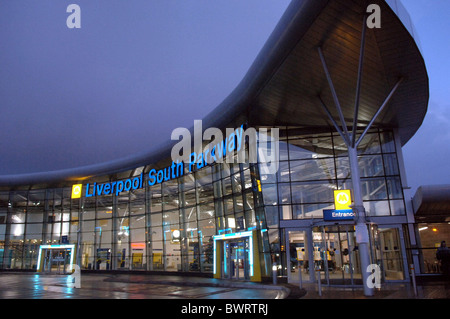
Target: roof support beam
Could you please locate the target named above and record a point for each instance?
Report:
(333, 91)
(336, 126)
(386, 100)
(359, 80)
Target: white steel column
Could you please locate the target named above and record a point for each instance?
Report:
(362, 233)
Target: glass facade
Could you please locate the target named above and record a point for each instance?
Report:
(170, 226)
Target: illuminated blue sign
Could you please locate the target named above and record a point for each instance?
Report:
(336, 215)
(229, 144)
(115, 187)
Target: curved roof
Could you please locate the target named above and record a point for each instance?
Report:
(286, 82)
(432, 203)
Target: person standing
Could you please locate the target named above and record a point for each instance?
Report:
(443, 255)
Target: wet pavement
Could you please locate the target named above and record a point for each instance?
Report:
(135, 286)
(97, 286)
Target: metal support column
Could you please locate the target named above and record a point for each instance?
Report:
(362, 234)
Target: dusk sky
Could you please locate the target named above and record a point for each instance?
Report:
(136, 70)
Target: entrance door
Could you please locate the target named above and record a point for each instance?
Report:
(237, 259)
(330, 251)
(336, 255)
(55, 258)
(236, 256)
(298, 258)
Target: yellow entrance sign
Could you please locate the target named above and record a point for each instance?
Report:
(342, 199)
(76, 190)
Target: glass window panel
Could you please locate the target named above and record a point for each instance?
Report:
(173, 256)
(157, 257)
(156, 234)
(190, 197)
(283, 151)
(137, 221)
(156, 204)
(35, 215)
(105, 206)
(236, 183)
(188, 181)
(370, 144)
(266, 177)
(203, 176)
(218, 208)
(138, 235)
(56, 231)
(217, 189)
(226, 183)
(137, 202)
(394, 187)
(240, 222)
(340, 148)
(170, 201)
(228, 205)
(171, 217)
(248, 200)
(104, 225)
(156, 198)
(36, 198)
(156, 219)
(309, 147)
(247, 178)
(66, 216)
(17, 217)
(397, 207)
(377, 208)
(190, 214)
(216, 172)
(370, 165)
(390, 164)
(342, 167)
(272, 216)
(221, 224)
(316, 169)
(34, 229)
(206, 211)
(310, 210)
(312, 192)
(387, 142)
(88, 214)
(205, 193)
(225, 169)
(17, 231)
(283, 172)
(284, 193)
(373, 188)
(239, 205)
(274, 240)
(286, 211)
(88, 226)
(207, 228)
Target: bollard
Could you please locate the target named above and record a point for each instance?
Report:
(274, 273)
(319, 283)
(300, 283)
(413, 276)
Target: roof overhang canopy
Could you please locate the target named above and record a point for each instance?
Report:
(287, 80)
(432, 204)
